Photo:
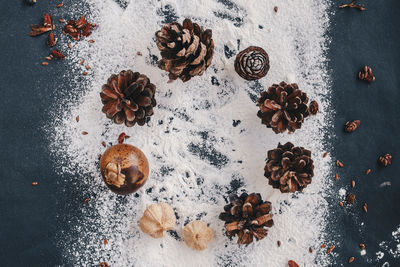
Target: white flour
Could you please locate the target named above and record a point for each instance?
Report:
(204, 137)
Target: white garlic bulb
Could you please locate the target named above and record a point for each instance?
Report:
(197, 235)
(157, 219)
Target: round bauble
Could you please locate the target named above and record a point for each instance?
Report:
(124, 168)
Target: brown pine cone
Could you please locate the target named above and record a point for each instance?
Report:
(283, 107)
(186, 50)
(289, 168)
(366, 74)
(313, 107)
(351, 126)
(385, 160)
(252, 63)
(128, 98)
(247, 216)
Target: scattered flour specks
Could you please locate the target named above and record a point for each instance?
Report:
(204, 140)
(390, 247)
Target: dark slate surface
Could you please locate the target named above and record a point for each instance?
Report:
(32, 217)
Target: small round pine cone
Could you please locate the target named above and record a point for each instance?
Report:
(248, 217)
(283, 107)
(128, 97)
(186, 50)
(289, 168)
(252, 63)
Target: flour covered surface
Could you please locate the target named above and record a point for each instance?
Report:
(204, 140)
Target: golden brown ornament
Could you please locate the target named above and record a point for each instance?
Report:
(157, 219)
(124, 168)
(197, 235)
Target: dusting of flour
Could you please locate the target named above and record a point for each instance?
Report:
(204, 140)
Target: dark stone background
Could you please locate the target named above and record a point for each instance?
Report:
(31, 217)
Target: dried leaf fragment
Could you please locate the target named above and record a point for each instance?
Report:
(37, 29)
(51, 41)
(47, 20)
(292, 263)
(57, 54)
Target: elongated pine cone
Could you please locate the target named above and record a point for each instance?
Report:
(289, 168)
(186, 50)
(385, 159)
(252, 63)
(128, 98)
(248, 217)
(351, 126)
(283, 107)
(366, 74)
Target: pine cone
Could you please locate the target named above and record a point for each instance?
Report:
(186, 50)
(366, 74)
(128, 97)
(289, 168)
(252, 63)
(283, 107)
(247, 216)
(385, 159)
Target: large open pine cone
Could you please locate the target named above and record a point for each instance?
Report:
(247, 216)
(289, 168)
(186, 50)
(128, 98)
(283, 107)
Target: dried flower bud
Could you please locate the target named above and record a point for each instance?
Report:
(157, 219)
(313, 107)
(352, 126)
(385, 159)
(252, 63)
(197, 235)
(366, 74)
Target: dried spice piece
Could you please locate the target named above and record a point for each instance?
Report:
(103, 143)
(186, 49)
(104, 264)
(197, 235)
(336, 176)
(353, 4)
(252, 63)
(278, 243)
(350, 198)
(77, 118)
(88, 67)
(47, 20)
(289, 168)
(283, 107)
(365, 207)
(105, 242)
(323, 246)
(79, 28)
(48, 58)
(339, 163)
(84, 133)
(310, 249)
(82, 62)
(128, 98)
(353, 183)
(45, 63)
(85, 73)
(157, 219)
(57, 54)
(51, 41)
(86, 200)
(362, 246)
(122, 137)
(60, 5)
(292, 263)
(366, 74)
(385, 159)
(91, 41)
(351, 126)
(341, 204)
(248, 217)
(39, 29)
(351, 259)
(330, 249)
(368, 171)
(313, 107)
(34, 183)
(325, 154)
(276, 9)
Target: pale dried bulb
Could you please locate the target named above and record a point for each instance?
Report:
(197, 235)
(157, 219)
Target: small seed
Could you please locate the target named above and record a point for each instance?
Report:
(85, 73)
(69, 45)
(368, 171)
(48, 58)
(330, 249)
(86, 200)
(91, 41)
(339, 164)
(353, 183)
(88, 67)
(276, 9)
(44, 63)
(323, 246)
(351, 259)
(34, 183)
(77, 118)
(83, 61)
(365, 207)
(103, 144)
(84, 133)
(336, 176)
(362, 246)
(341, 204)
(310, 249)
(278, 243)
(60, 5)
(325, 154)
(61, 20)
(105, 241)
